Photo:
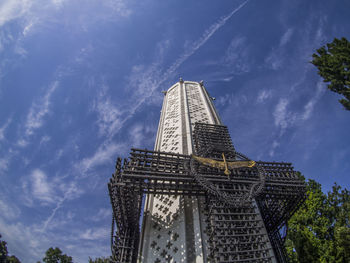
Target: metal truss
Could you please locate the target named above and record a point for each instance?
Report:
(272, 191)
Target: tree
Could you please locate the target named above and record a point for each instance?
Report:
(56, 256)
(13, 259)
(99, 260)
(3, 250)
(4, 257)
(333, 63)
(320, 230)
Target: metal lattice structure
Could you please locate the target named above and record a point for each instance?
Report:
(238, 208)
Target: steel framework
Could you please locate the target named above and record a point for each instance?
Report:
(238, 207)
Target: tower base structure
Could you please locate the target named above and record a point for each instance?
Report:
(208, 203)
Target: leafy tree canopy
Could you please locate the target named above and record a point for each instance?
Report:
(333, 63)
(13, 259)
(320, 230)
(54, 255)
(3, 250)
(99, 260)
(4, 257)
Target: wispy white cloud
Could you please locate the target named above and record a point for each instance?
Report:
(48, 190)
(286, 37)
(280, 113)
(19, 235)
(274, 60)
(37, 15)
(70, 191)
(312, 35)
(52, 215)
(95, 233)
(200, 42)
(309, 107)
(103, 154)
(118, 7)
(22, 142)
(285, 117)
(44, 139)
(232, 99)
(238, 56)
(236, 45)
(138, 133)
(276, 57)
(41, 189)
(147, 80)
(4, 163)
(309, 36)
(30, 10)
(223, 100)
(4, 127)
(58, 222)
(275, 144)
(9, 210)
(58, 3)
(264, 95)
(29, 242)
(39, 186)
(282, 117)
(19, 50)
(28, 28)
(39, 110)
(58, 154)
(36, 115)
(10, 10)
(109, 116)
(110, 119)
(6, 38)
(102, 214)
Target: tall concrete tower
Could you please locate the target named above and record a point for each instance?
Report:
(201, 200)
(185, 104)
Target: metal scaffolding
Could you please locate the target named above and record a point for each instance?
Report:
(239, 205)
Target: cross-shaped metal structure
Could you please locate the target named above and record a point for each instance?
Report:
(232, 202)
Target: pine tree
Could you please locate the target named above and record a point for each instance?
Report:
(333, 63)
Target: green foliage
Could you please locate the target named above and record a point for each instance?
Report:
(13, 259)
(4, 257)
(54, 255)
(333, 63)
(3, 250)
(99, 260)
(320, 230)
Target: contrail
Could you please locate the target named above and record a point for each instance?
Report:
(200, 42)
(58, 206)
(181, 59)
(195, 46)
(49, 219)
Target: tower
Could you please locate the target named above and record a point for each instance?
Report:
(185, 103)
(200, 200)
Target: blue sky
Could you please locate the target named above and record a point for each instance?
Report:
(81, 82)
